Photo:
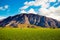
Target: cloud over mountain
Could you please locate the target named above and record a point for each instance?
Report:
(51, 12)
(1, 17)
(46, 9)
(32, 11)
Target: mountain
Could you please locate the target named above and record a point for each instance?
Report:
(30, 19)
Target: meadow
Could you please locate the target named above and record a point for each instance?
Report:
(29, 34)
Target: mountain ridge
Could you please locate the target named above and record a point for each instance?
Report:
(33, 19)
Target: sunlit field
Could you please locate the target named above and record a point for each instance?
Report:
(29, 34)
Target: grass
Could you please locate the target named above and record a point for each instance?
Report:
(29, 34)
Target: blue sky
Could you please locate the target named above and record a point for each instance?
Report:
(13, 7)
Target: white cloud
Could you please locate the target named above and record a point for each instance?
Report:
(34, 3)
(1, 8)
(52, 0)
(4, 7)
(2, 17)
(43, 3)
(29, 3)
(43, 11)
(24, 7)
(51, 12)
(26, 3)
(32, 11)
(58, 0)
(23, 11)
(40, 2)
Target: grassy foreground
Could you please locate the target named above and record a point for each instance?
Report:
(29, 34)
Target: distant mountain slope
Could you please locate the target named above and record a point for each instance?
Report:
(33, 19)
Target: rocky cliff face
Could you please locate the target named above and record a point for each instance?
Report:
(33, 19)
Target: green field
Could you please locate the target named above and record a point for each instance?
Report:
(29, 34)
